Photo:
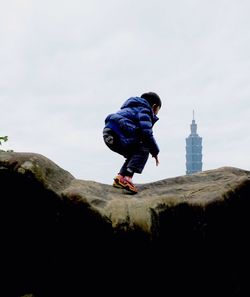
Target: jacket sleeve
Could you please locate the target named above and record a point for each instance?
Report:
(146, 124)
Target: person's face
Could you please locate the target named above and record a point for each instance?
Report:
(155, 109)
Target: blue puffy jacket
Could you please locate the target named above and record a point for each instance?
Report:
(133, 123)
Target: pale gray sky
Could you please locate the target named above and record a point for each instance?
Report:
(65, 65)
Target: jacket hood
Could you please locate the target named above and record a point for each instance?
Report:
(136, 102)
(139, 102)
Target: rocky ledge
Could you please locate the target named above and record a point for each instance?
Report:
(63, 236)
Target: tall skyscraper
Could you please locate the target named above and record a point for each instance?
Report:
(193, 150)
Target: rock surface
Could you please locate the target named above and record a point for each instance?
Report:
(185, 234)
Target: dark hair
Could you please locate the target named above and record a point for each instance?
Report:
(152, 98)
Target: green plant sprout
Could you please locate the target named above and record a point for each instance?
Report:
(3, 138)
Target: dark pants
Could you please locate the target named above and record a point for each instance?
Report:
(136, 155)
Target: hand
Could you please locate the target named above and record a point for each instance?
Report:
(156, 160)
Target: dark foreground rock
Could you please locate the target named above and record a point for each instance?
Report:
(66, 237)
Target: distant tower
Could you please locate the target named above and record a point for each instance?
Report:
(193, 150)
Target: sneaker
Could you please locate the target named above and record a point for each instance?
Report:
(124, 182)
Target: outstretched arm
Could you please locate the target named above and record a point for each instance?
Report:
(156, 160)
(146, 125)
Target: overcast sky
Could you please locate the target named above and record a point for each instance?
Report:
(65, 65)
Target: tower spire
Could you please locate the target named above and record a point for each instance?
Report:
(193, 126)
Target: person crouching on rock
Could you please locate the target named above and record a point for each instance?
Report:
(129, 133)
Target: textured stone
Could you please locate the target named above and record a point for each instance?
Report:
(181, 229)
